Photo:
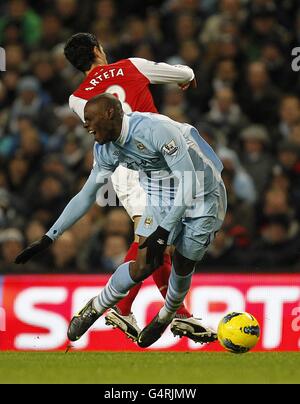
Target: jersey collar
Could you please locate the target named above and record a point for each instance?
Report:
(124, 131)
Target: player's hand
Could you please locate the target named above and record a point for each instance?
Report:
(185, 86)
(35, 248)
(156, 244)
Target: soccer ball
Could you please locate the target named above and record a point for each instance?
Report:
(238, 332)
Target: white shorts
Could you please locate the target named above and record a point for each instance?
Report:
(129, 191)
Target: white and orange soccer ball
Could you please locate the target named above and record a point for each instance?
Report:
(238, 332)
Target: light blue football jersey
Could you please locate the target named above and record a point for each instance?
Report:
(176, 166)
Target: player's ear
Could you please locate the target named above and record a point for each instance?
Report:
(97, 52)
(110, 113)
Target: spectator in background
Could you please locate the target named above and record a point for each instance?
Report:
(276, 202)
(30, 23)
(51, 199)
(51, 81)
(34, 231)
(8, 212)
(15, 59)
(230, 48)
(118, 222)
(105, 10)
(9, 82)
(259, 98)
(226, 115)
(84, 235)
(63, 68)
(175, 105)
(243, 184)
(11, 244)
(288, 159)
(264, 26)
(186, 27)
(70, 125)
(135, 35)
(72, 17)
(64, 254)
(222, 254)
(18, 172)
(289, 114)
(30, 146)
(228, 10)
(12, 34)
(52, 32)
(114, 252)
(294, 136)
(73, 152)
(240, 212)
(31, 103)
(225, 75)
(272, 55)
(109, 38)
(256, 157)
(278, 247)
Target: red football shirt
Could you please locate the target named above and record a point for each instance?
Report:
(129, 80)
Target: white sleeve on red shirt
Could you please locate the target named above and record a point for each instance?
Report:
(77, 105)
(162, 73)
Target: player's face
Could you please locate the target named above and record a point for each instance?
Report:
(98, 123)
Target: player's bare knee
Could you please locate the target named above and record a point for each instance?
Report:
(183, 266)
(139, 270)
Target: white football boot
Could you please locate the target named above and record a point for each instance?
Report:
(126, 324)
(193, 329)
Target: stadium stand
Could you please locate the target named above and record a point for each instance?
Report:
(247, 106)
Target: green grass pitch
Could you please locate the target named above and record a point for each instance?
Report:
(149, 367)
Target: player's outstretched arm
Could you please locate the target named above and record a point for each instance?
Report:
(163, 73)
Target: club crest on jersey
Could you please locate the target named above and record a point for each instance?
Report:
(171, 148)
(148, 221)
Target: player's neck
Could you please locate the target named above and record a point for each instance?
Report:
(99, 62)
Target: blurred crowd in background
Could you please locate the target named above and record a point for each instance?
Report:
(247, 106)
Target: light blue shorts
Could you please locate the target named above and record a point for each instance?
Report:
(193, 234)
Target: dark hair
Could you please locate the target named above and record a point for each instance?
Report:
(79, 50)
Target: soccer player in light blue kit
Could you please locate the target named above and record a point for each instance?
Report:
(186, 203)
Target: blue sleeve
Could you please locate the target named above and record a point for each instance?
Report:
(169, 140)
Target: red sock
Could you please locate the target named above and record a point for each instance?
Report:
(124, 305)
(161, 278)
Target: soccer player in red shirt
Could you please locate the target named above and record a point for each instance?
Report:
(129, 80)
